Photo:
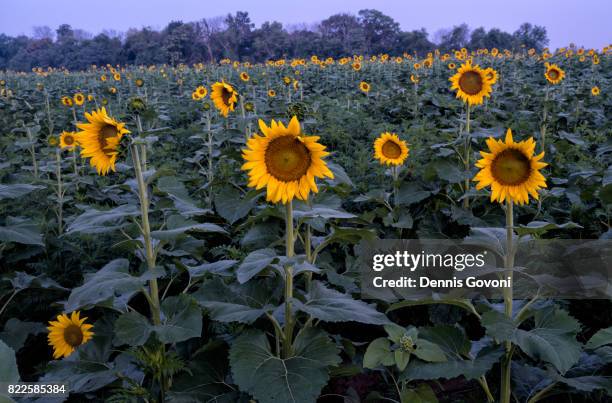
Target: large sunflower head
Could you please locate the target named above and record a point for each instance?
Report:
(224, 97)
(511, 169)
(68, 140)
(471, 83)
(67, 333)
(554, 74)
(100, 139)
(390, 150)
(285, 161)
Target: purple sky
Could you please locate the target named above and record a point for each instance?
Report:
(585, 22)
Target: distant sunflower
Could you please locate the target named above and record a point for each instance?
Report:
(139, 82)
(66, 101)
(100, 139)
(554, 74)
(67, 333)
(202, 91)
(595, 91)
(271, 93)
(511, 169)
(195, 96)
(112, 90)
(356, 66)
(414, 79)
(365, 87)
(225, 97)
(117, 77)
(103, 77)
(285, 161)
(244, 76)
(452, 66)
(79, 98)
(90, 97)
(68, 140)
(491, 75)
(390, 150)
(471, 83)
(287, 80)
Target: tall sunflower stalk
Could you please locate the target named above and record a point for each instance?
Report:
(391, 151)
(286, 162)
(59, 192)
(513, 172)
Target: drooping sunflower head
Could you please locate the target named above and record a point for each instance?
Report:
(100, 139)
(67, 333)
(68, 140)
(79, 98)
(225, 97)
(365, 87)
(244, 76)
(554, 74)
(511, 169)
(285, 161)
(471, 83)
(595, 91)
(389, 149)
(491, 75)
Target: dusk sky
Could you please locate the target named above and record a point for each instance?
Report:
(585, 22)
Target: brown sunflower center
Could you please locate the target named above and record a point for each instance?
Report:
(287, 158)
(553, 74)
(73, 335)
(391, 150)
(69, 140)
(511, 167)
(107, 132)
(226, 95)
(470, 82)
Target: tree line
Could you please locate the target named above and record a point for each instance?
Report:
(237, 38)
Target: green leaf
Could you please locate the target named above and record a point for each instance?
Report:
(271, 379)
(377, 353)
(322, 212)
(232, 206)
(17, 190)
(553, 338)
(94, 221)
(428, 351)
(461, 303)
(254, 263)
(182, 319)
(220, 267)
(16, 332)
(422, 394)
(176, 190)
(401, 358)
(411, 193)
(451, 339)
(539, 228)
(108, 283)
(179, 227)
(21, 230)
(588, 383)
(132, 328)
(235, 303)
(333, 306)
(601, 338)
(8, 370)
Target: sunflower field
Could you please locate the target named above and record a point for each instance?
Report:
(190, 233)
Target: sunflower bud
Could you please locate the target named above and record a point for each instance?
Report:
(137, 105)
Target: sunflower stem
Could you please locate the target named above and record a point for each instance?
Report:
(210, 160)
(60, 192)
(146, 233)
(505, 389)
(290, 242)
(466, 159)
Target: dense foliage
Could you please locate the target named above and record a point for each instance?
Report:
(72, 240)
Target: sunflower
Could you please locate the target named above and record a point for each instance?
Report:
(451, 66)
(511, 169)
(285, 161)
(68, 140)
(100, 139)
(117, 77)
(414, 79)
(390, 150)
(90, 97)
(67, 333)
(271, 93)
(79, 98)
(595, 91)
(471, 83)
(66, 101)
(202, 91)
(195, 96)
(139, 82)
(491, 75)
(365, 87)
(52, 141)
(356, 66)
(103, 77)
(244, 76)
(112, 90)
(554, 74)
(286, 80)
(224, 96)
